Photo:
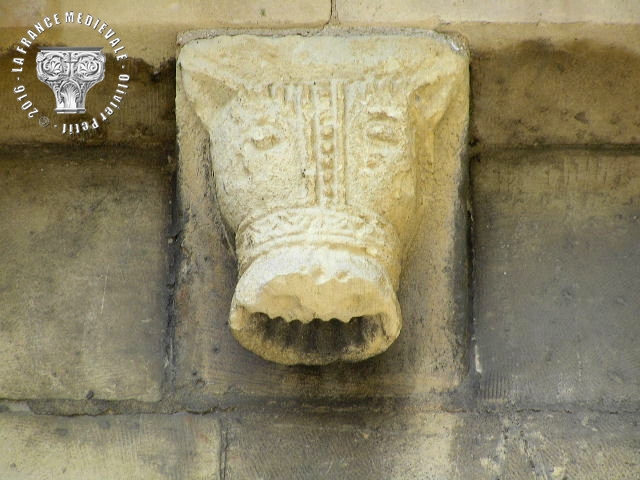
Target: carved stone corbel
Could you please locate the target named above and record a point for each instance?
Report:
(321, 149)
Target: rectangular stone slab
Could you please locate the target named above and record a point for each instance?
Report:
(123, 446)
(557, 242)
(342, 445)
(549, 445)
(429, 354)
(82, 273)
(538, 93)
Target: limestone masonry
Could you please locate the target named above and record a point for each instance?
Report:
(262, 193)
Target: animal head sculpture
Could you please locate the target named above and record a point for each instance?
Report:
(320, 149)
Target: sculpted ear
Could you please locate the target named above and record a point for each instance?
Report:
(431, 100)
(197, 85)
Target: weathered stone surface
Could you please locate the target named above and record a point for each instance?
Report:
(433, 12)
(187, 14)
(82, 273)
(153, 447)
(441, 446)
(146, 116)
(261, 13)
(149, 28)
(273, 445)
(549, 445)
(323, 168)
(597, 78)
(539, 93)
(334, 445)
(427, 357)
(557, 243)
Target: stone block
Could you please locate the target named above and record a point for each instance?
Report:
(148, 32)
(550, 445)
(557, 249)
(146, 116)
(14, 15)
(267, 13)
(153, 447)
(428, 355)
(188, 14)
(82, 273)
(553, 445)
(339, 445)
(542, 93)
(434, 12)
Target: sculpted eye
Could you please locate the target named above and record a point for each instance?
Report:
(264, 138)
(383, 126)
(384, 132)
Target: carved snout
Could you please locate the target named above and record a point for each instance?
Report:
(315, 305)
(316, 285)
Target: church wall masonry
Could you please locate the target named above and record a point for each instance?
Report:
(483, 163)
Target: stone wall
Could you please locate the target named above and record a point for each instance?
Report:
(518, 356)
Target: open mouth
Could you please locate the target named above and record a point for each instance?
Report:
(316, 342)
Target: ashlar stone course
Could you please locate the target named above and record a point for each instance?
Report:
(82, 274)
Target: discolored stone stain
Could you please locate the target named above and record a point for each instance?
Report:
(133, 446)
(146, 115)
(75, 220)
(556, 255)
(554, 445)
(538, 93)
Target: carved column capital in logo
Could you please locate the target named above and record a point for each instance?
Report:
(70, 72)
(323, 150)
